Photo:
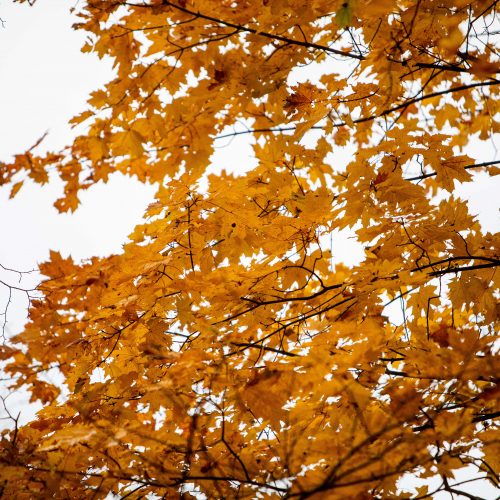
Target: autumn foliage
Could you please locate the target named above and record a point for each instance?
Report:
(225, 351)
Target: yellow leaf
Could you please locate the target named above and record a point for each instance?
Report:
(15, 189)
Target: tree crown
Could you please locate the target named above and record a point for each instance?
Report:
(222, 352)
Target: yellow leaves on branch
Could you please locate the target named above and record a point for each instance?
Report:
(229, 350)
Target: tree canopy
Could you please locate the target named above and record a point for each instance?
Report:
(224, 352)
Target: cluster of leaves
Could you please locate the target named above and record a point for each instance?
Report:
(222, 353)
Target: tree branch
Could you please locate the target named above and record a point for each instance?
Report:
(246, 29)
(468, 167)
(402, 106)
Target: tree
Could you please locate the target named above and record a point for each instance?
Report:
(222, 353)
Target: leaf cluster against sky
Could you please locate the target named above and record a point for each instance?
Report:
(221, 352)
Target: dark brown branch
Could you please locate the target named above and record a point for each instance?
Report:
(478, 418)
(189, 237)
(230, 449)
(486, 416)
(492, 262)
(446, 487)
(271, 36)
(247, 29)
(461, 269)
(443, 67)
(299, 319)
(402, 106)
(467, 167)
(175, 481)
(283, 300)
(264, 348)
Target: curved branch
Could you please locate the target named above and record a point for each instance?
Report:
(246, 29)
(467, 167)
(449, 260)
(402, 106)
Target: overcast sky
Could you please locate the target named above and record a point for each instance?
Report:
(44, 81)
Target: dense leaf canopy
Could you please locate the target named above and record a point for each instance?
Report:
(225, 351)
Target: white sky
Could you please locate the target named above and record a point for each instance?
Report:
(44, 81)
